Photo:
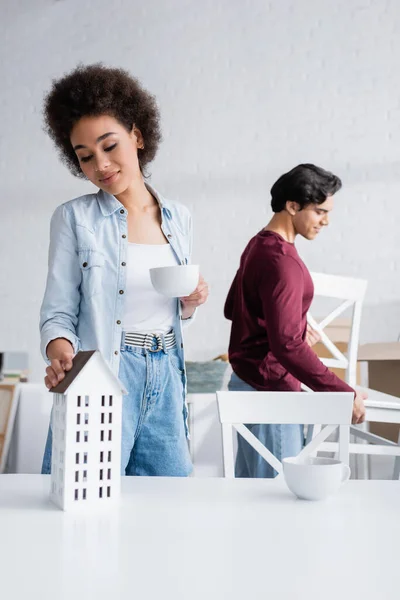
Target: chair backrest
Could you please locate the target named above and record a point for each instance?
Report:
(237, 408)
(352, 292)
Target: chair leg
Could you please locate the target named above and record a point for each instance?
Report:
(190, 421)
(344, 441)
(396, 471)
(338, 437)
(227, 448)
(312, 432)
(362, 462)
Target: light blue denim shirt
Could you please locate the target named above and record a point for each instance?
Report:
(84, 297)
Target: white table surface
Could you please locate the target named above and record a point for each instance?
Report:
(201, 538)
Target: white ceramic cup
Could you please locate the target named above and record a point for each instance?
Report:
(175, 282)
(314, 478)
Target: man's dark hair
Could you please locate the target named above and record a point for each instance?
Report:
(96, 90)
(305, 184)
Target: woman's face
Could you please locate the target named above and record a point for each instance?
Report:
(107, 152)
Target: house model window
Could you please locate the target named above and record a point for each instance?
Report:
(86, 425)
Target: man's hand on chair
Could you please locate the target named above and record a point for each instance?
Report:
(359, 408)
(312, 336)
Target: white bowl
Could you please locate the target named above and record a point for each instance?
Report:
(314, 478)
(175, 282)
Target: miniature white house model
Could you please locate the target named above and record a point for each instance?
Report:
(86, 425)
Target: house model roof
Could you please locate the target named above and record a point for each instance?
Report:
(79, 362)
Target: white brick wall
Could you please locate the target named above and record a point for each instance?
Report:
(247, 90)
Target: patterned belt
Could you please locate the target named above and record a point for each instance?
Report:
(150, 341)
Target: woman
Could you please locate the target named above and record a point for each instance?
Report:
(98, 293)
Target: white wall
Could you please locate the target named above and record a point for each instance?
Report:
(247, 90)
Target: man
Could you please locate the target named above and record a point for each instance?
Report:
(268, 301)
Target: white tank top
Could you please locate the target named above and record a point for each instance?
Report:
(147, 311)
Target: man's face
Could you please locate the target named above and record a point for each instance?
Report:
(309, 221)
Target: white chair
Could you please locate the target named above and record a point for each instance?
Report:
(334, 409)
(351, 292)
(9, 397)
(380, 407)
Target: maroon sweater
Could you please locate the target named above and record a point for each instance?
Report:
(267, 304)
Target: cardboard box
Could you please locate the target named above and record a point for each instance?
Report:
(383, 368)
(384, 376)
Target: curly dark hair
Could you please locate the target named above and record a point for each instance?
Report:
(94, 90)
(305, 184)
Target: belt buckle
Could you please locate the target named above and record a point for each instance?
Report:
(159, 343)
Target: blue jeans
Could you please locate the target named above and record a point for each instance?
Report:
(154, 438)
(282, 440)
